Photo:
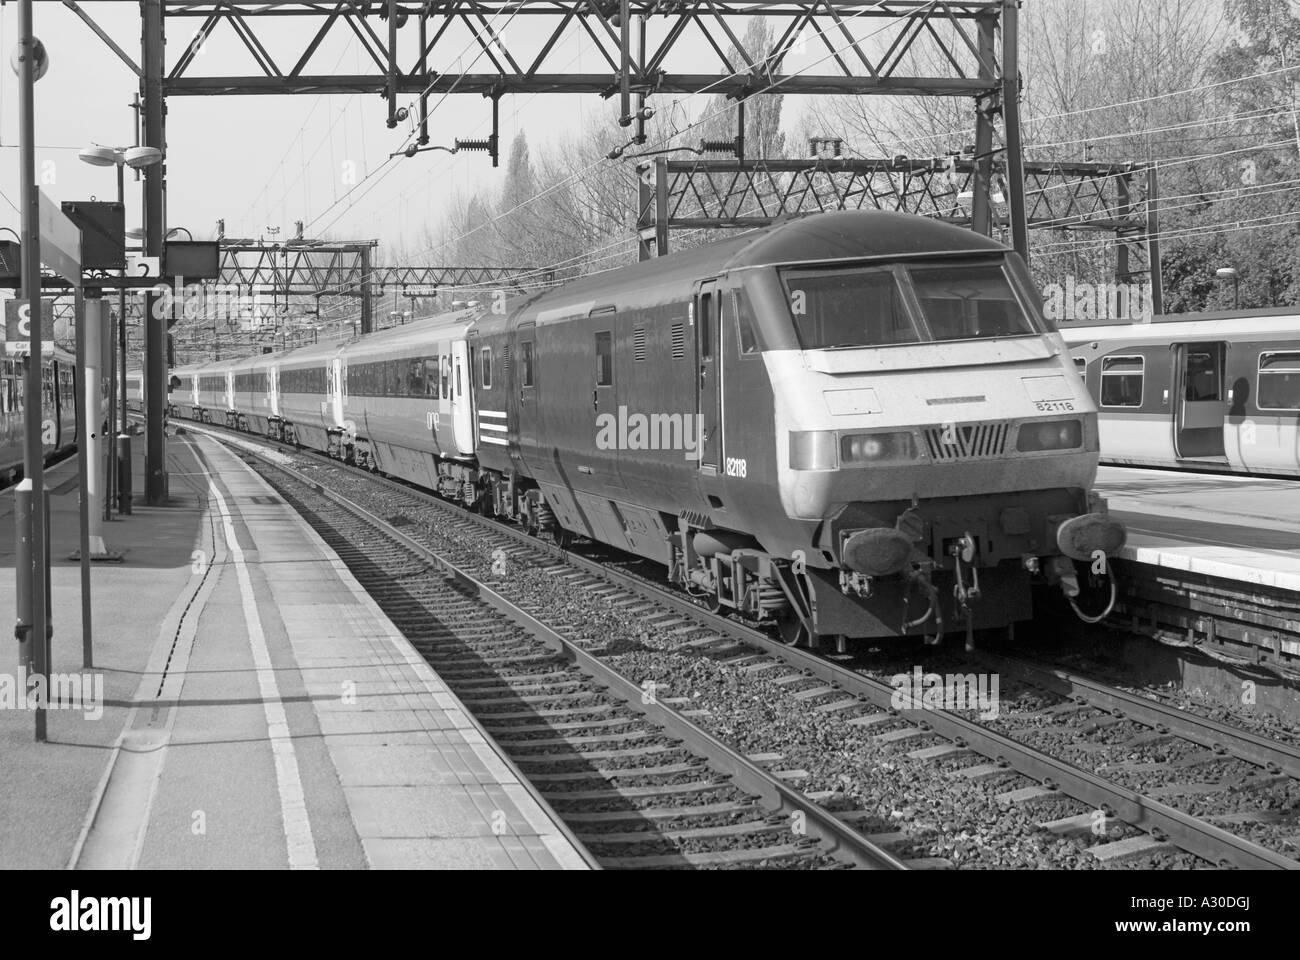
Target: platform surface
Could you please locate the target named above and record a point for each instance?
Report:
(259, 710)
(1236, 528)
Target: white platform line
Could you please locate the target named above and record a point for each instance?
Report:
(293, 803)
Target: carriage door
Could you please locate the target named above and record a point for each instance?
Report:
(1202, 402)
(273, 390)
(458, 388)
(708, 342)
(337, 386)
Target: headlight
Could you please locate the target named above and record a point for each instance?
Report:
(1050, 435)
(812, 450)
(862, 449)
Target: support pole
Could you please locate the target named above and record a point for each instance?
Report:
(1011, 122)
(661, 206)
(982, 188)
(1124, 188)
(1153, 242)
(32, 559)
(87, 468)
(155, 367)
(644, 216)
(122, 446)
(367, 321)
(625, 74)
(89, 334)
(110, 448)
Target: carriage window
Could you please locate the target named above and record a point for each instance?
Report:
(604, 359)
(1081, 367)
(526, 362)
(415, 379)
(705, 319)
(1121, 381)
(848, 308)
(969, 302)
(487, 369)
(745, 339)
(1202, 379)
(431, 377)
(1279, 381)
(446, 377)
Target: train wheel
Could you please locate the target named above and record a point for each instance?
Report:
(794, 634)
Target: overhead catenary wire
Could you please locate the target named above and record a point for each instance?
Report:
(584, 172)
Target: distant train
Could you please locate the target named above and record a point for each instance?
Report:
(58, 408)
(853, 424)
(1212, 392)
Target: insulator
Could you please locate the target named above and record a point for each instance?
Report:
(718, 146)
(484, 146)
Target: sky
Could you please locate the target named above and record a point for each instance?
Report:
(262, 162)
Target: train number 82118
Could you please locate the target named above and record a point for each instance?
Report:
(1054, 406)
(737, 467)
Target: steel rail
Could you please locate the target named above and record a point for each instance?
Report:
(836, 838)
(1162, 821)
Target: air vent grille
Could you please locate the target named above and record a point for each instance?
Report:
(977, 441)
(679, 340)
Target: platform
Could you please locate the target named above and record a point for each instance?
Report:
(1230, 528)
(258, 709)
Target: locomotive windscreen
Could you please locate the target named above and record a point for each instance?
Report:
(867, 307)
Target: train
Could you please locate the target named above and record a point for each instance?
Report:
(854, 424)
(1216, 392)
(58, 407)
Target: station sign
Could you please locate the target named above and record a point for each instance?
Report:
(60, 241)
(18, 321)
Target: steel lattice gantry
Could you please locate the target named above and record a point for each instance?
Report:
(317, 268)
(642, 48)
(1120, 199)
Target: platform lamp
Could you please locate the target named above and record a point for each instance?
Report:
(1230, 273)
(137, 158)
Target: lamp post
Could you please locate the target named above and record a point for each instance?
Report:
(1230, 273)
(137, 158)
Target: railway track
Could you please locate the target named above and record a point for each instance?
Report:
(836, 684)
(636, 781)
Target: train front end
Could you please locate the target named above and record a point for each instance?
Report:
(935, 449)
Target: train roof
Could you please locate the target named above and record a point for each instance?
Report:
(1193, 328)
(418, 333)
(841, 236)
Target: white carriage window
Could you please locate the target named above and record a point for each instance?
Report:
(487, 369)
(969, 302)
(526, 363)
(1121, 381)
(1202, 379)
(1279, 381)
(604, 358)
